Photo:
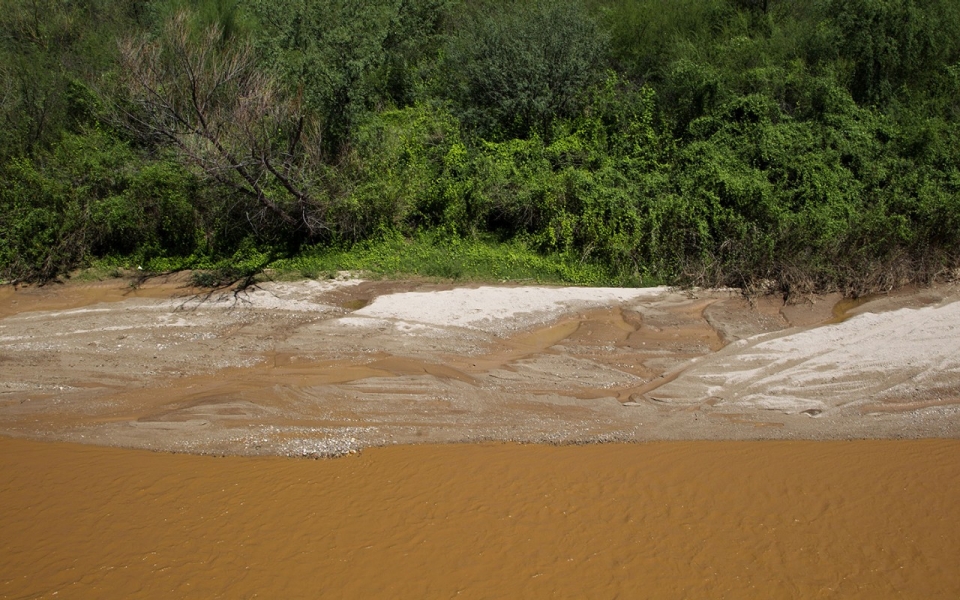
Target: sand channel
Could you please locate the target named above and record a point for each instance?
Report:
(325, 368)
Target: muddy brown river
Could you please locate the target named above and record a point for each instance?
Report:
(859, 519)
(767, 457)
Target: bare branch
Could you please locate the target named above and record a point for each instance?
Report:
(230, 120)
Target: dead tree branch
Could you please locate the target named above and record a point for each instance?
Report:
(204, 96)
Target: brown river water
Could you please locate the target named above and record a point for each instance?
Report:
(768, 519)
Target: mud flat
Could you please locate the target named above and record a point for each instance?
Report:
(769, 519)
(325, 368)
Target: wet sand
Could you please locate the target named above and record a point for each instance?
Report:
(857, 519)
(325, 368)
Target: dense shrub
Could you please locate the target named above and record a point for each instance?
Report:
(345, 58)
(91, 195)
(767, 144)
(517, 66)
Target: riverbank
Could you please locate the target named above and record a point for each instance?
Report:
(329, 367)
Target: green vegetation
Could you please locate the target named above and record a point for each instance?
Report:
(775, 145)
(462, 259)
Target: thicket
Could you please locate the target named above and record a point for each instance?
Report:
(774, 145)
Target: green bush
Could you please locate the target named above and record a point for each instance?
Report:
(91, 195)
(346, 58)
(516, 66)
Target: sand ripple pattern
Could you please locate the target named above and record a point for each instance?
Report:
(865, 363)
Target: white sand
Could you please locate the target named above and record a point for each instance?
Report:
(299, 296)
(899, 356)
(496, 308)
